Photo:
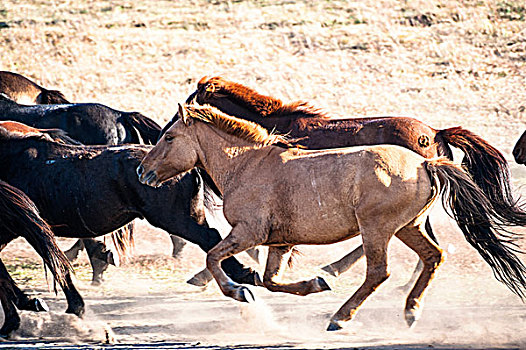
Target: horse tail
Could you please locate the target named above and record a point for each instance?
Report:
(490, 171)
(480, 224)
(51, 97)
(61, 136)
(21, 218)
(145, 128)
(123, 240)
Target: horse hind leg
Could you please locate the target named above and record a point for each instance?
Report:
(431, 255)
(277, 255)
(375, 244)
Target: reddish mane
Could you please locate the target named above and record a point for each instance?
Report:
(266, 106)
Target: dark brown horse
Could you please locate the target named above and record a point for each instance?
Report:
(314, 129)
(519, 151)
(19, 218)
(89, 191)
(23, 90)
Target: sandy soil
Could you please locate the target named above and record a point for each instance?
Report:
(446, 62)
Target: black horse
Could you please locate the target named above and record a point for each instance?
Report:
(93, 124)
(89, 123)
(89, 191)
(19, 218)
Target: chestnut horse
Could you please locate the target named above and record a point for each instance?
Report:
(23, 90)
(281, 197)
(19, 217)
(314, 129)
(519, 151)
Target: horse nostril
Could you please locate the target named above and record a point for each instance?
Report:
(140, 170)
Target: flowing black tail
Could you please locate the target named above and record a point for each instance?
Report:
(490, 171)
(481, 224)
(146, 129)
(19, 217)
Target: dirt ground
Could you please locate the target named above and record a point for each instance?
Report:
(446, 62)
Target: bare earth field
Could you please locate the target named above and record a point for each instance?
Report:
(446, 63)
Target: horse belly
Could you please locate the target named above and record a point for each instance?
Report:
(316, 223)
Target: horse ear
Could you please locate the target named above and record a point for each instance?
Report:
(184, 115)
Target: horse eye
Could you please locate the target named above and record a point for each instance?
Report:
(169, 138)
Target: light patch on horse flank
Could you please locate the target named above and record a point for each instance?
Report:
(383, 176)
(25, 100)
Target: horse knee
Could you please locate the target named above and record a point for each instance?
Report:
(375, 277)
(434, 260)
(270, 285)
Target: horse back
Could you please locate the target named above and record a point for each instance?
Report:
(317, 197)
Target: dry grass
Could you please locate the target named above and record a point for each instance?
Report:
(446, 62)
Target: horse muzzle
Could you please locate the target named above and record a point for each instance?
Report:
(149, 178)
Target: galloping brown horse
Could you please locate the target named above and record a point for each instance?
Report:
(281, 197)
(19, 218)
(314, 129)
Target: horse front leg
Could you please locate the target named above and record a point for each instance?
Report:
(100, 258)
(277, 255)
(239, 240)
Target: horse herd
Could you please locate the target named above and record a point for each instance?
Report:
(85, 170)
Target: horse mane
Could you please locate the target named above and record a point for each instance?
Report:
(52, 97)
(265, 106)
(238, 127)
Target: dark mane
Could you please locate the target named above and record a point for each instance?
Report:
(265, 106)
(241, 128)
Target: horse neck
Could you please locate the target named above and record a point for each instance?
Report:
(222, 154)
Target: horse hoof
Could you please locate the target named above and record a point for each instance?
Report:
(322, 285)
(334, 326)
(330, 270)
(257, 280)
(96, 283)
(40, 305)
(411, 316)
(245, 295)
(79, 311)
(110, 259)
(196, 281)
